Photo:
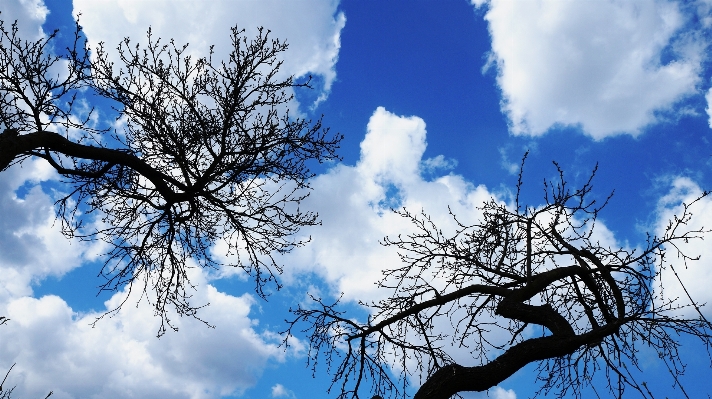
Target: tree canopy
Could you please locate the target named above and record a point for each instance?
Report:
(525, 284)
(199, 151)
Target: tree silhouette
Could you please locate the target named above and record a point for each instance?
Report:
(480, 290)
(205, 152)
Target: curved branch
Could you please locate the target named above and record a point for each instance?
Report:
(453, 378)
(13, 146)
(543, 315)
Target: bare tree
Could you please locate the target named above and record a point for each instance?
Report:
(205, 151)
(476, 291)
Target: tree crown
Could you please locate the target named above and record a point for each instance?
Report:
(205, 152)
(467, 309)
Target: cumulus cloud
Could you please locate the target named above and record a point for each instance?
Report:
(608, 67)
(695, 275)
(312, 28)
(57, 349)
(355, 203)
(494, 393)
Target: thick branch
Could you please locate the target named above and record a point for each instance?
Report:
(454, 378)
(13, 146)
(543, 315)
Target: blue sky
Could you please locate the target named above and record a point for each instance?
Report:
(438, 102)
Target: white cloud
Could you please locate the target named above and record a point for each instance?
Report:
(438, 163)
(354, 204)
(393, 147)
(704, 11)
(695, 275)
(312, 28)
(279, 391)
(56, 349)
(478, 3)
(592, 64)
